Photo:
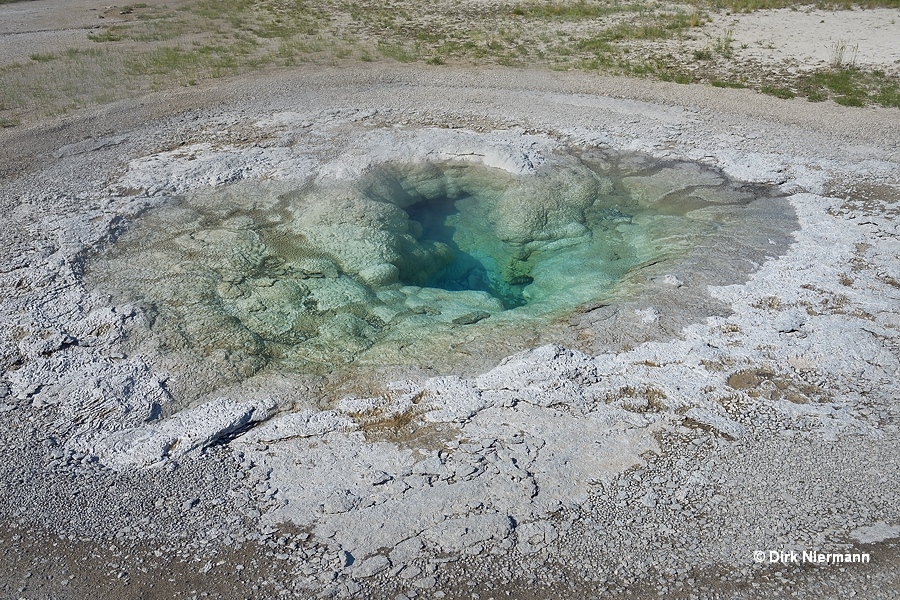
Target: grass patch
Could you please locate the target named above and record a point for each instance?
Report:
(130, 8)
(595, 45)
(73, 79)
(397, 52)
(613, 41)
(888, 95)
(38, 57)
(723, 44)
(841, 54)
(199, 40)
(816, 96)
(851, 86)
(115, 33)
(778, 92)
(304, 49)
(582, 9)
(845, 86)
(159, 29)
(205, 61)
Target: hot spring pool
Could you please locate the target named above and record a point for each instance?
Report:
(406, 264)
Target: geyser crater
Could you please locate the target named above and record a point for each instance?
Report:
(407, 261)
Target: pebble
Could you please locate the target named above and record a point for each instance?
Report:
(425, 583)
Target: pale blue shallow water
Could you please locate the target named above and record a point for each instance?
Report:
(406, 262)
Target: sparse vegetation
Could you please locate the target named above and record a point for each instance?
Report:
(158, 47)
(43, 57)
(723, 44)
(778, 92)
(582, 9)
(397, 52)
(111, 34)
(852, 87)
(842, 55)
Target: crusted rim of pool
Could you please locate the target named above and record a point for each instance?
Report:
(288, 269)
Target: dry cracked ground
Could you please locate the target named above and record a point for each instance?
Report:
(234, 364)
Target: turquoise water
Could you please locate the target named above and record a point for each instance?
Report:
(395, 268)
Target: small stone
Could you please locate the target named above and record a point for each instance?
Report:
(406, 550)
(379, 477)
(372, 566)
(649, 499)
(470, 318)
(426, 583)
(410, 572)
(352, 587)
(671, 280)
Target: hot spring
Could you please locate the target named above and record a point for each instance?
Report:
(411, 264)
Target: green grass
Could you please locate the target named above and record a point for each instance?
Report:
(851, 86)
(205, 61)
(398, 52)
(129, 8)
(200, 40)
(582, 9)
(303, 49)
(39, 57)
(723, 83)
(778, 92)
(723, 44)
(73, 79)
(888, 95)
(844, 86)
(161, 28)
